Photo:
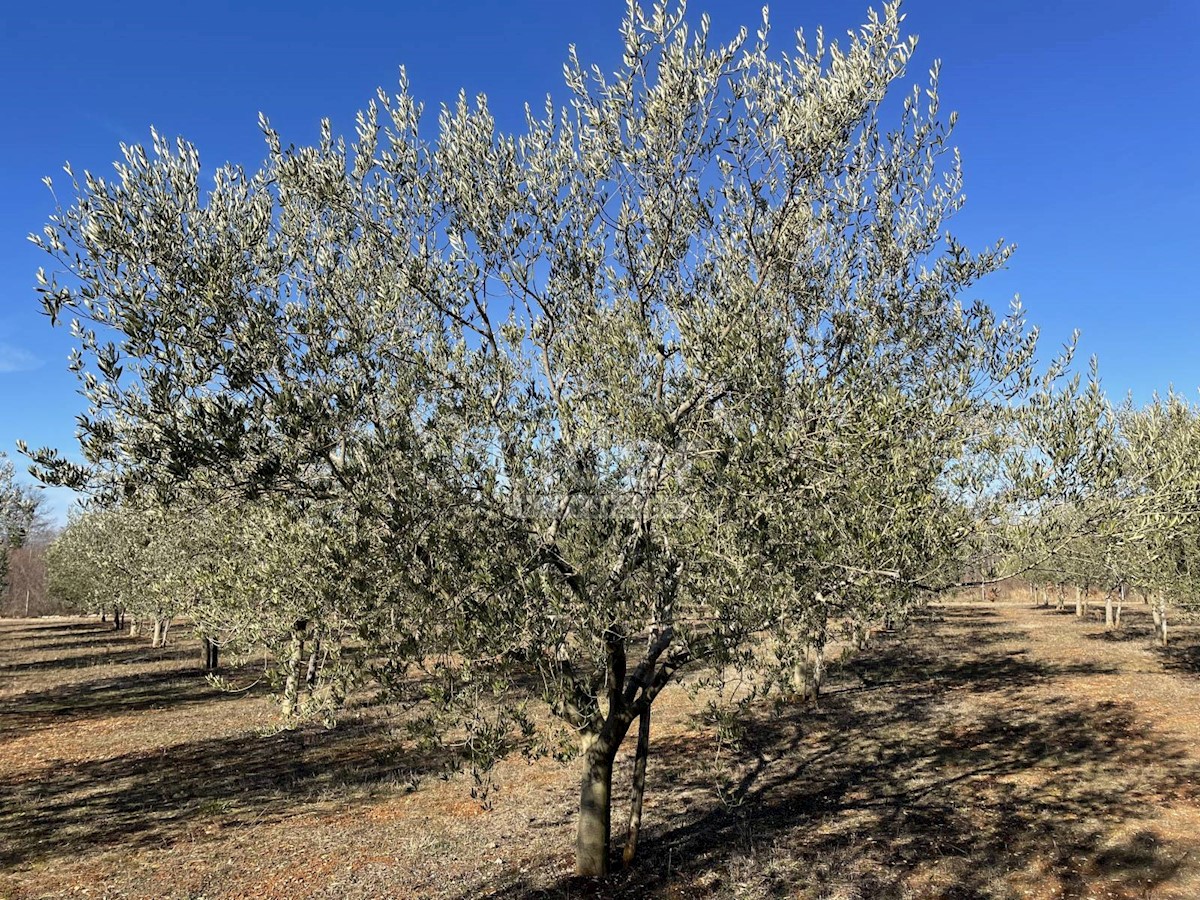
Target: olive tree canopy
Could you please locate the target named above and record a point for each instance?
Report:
(690, 356)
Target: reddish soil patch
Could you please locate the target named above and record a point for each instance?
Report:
(996, 751)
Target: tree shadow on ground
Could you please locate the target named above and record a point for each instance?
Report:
(138, 692)
(1182, 653)
(80, 641)
(157, 797)
(140, 653)
(954, 777)
(1137, 626)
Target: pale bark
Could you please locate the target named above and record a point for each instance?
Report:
(1109, 622)
(295, 660)
(1078, 602)
(310, 674)
(1159, 614)
(157, 639)
(1120, 607)
(134, 628)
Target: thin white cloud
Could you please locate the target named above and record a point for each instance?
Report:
(14, 359)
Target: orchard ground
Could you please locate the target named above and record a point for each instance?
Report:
(994, 751)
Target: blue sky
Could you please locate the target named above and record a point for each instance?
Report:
(1078, 127)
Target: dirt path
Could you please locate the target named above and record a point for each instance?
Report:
(998, 752)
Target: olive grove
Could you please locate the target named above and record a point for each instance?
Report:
(686, 376)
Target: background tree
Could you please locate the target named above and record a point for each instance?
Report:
(24, 531)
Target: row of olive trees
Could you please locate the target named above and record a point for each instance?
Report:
(1134, 527)
(678, 379)
(24, 532)
(254, 578)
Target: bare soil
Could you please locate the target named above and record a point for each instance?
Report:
(996, 751)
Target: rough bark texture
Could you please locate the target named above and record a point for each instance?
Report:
(1078, 602)
(1109, 621)
(595, 810)
(295, 659)
(639, 788)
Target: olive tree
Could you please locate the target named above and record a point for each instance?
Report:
(1159, 526)
(22, 523)
(660, 381)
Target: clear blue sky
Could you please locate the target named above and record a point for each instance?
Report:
(1078, 127)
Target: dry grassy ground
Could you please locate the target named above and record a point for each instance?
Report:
(1002, 752)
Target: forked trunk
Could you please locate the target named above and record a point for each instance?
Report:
(639, 788)
(595, 810)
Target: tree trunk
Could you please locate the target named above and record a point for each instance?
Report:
(1062, 597)
(133, 628)
(156, 641)
(1108, 610)
(1159, 615)
(815, 674)
(212, 654)
(595, 810)
(166, 627)
(310, 673)
(639, 788)
(1078, 602)
(295, 660)
(1120, 607)
(861, 635)
(103, 614)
